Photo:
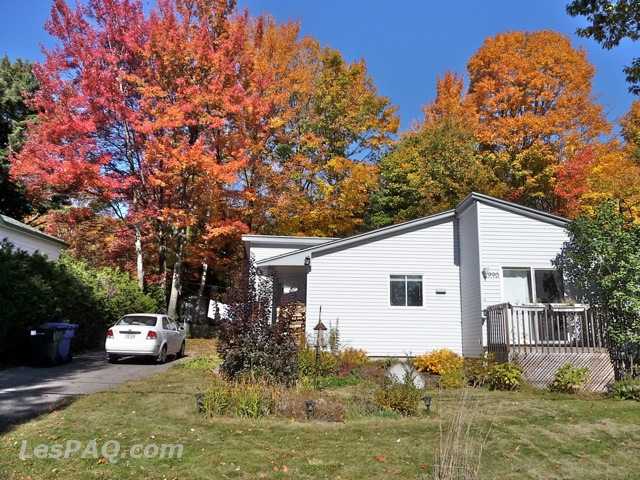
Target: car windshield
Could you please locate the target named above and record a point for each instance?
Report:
(144, 320)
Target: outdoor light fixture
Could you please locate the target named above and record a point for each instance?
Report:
(310, 408)
(307, 261)
(320, 330)
(427, 402)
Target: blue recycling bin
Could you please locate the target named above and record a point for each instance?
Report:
(65, 331)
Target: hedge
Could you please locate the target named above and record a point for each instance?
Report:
(34, 290)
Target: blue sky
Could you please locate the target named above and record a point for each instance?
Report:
(406, 44)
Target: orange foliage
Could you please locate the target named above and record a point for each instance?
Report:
(532, 94)
(451, 103)
(534, 89)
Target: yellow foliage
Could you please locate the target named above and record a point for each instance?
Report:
(438, 362)
(353, 357)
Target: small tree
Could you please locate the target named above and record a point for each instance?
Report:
(601, 266)
(250, 342)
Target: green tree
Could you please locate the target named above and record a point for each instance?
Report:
(16, 83)
(601, 266)
(430, 170)
(610, 22)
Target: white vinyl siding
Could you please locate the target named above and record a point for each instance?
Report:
(508, 239)
(352, 286)
(470, 282)
(30, 243)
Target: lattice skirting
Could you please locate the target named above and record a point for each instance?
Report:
(539, 368)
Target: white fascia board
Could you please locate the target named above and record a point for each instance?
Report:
(284, 241)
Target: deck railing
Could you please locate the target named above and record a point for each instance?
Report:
(538, 327)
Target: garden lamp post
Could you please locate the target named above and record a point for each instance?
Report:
(320, 330)
(427, 402)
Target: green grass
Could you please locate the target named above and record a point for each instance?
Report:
(534, 435)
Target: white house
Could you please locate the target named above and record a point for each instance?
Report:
(417, 286)
(29, 239)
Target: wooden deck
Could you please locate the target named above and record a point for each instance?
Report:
(543, 337)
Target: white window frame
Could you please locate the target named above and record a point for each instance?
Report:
(421, 275)
(532, 279)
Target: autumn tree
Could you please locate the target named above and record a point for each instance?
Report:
(435, 166)
(314, 171)
(147, 115)
(610, 23)
(85, 144)
(532, 94)
(100, 240)
(630, 131)
(17, 82)
(597, 174)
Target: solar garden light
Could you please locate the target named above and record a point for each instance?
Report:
(310, 408)
(427, 402)
(320, 330)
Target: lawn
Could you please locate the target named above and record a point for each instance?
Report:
(532, 434)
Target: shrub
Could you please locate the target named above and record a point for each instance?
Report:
(452, 379)
(35, 290)
(505, 376)
(626, 389)
(240, 399)
(438, 362)
(569, 379)
(328, 364)
(351, 359)
(250, 342)
(476, 370)
(399, 397)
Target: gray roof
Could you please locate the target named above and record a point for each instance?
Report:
(422, 222)
(13, 224)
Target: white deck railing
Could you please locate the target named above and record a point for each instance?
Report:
(538, 327)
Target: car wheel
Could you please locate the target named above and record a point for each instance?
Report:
(162, 356)
(112, 358)
(181, 351)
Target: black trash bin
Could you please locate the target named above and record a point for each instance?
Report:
(51, 343)
(43, 344)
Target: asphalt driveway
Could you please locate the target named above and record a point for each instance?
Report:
(26, 392)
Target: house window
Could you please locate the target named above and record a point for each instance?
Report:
(517, 285)
(526, 285)
(549, 288)
(406, 290)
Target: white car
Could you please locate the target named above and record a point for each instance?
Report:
(145, 335)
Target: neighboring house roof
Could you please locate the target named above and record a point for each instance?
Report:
(297, 257)
(13, 224)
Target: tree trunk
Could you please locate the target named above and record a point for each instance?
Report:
(176, 283)
(139, 263)
(203, 281)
